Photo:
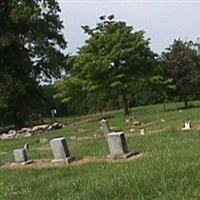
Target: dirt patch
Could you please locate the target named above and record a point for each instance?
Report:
(43, 163)
(46, 163)
(195, 127)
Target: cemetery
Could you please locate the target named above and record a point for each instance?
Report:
(99, 100)
(84, 157)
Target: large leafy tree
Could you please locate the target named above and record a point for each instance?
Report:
(30, 50)
(163, 87)
(181, 61)
(112, 57)
(71, 91)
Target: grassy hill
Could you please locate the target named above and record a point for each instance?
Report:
(168, 168)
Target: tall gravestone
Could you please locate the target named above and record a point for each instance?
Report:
(21, 156)
(61, 151)
(105, 127)
(118, 146)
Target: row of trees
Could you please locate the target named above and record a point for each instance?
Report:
(116, 64)
(114, 68)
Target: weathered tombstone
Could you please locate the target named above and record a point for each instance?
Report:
(142, 131)
(21, 156)
(105, 127)
(118, 146)
(26, 146)
(61, 151)
(187, 126)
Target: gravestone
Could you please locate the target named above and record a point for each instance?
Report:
(187, 126)
(118, 146)
(26, 146)
(105, 127)
(21, 156)
(142, 131)
(61, 151)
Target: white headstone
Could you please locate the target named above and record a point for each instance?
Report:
(60, 151)
(21, 156)
(118, 146)
(187, 126)
(142, 132)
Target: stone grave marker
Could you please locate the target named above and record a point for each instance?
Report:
(105, 127)
(187, 126)
(60, 151)
(21, 156)
(142, 131)
(118, 146)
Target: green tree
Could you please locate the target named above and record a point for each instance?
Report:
(71, 91)
(144, 93)
(163, 87)
(112, 57)
(181, 61)
(30, 50)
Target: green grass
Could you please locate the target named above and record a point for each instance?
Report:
(168, 170)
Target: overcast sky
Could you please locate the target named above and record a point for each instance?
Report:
(163, 21)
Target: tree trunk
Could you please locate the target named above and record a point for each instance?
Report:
(185, 103)
(125, 104)
(164, 106)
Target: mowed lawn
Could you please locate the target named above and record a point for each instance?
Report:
(169, 167)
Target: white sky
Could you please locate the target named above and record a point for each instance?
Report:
(163, 21)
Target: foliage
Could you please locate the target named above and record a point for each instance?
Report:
(112, 57)
(73, 93)
(30, 49)
(182, 63)
(143, 92)
(70, 91)
(163, 87)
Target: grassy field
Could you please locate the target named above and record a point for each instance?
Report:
(168, 169)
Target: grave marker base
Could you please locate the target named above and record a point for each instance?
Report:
(23, 163)
(67, 160)
(121, 156)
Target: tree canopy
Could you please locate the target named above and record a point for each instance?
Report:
(30, 50)
(114, 68)
(181, 63)
(112, 57)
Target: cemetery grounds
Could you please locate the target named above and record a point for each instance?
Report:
(166, 168)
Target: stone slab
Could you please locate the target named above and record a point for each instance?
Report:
(20, 155)
(22, 163)
(187, 126)
(121, 156)
(117, 143)
(67, 160)
(60, 151)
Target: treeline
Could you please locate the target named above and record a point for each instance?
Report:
(115, 68)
